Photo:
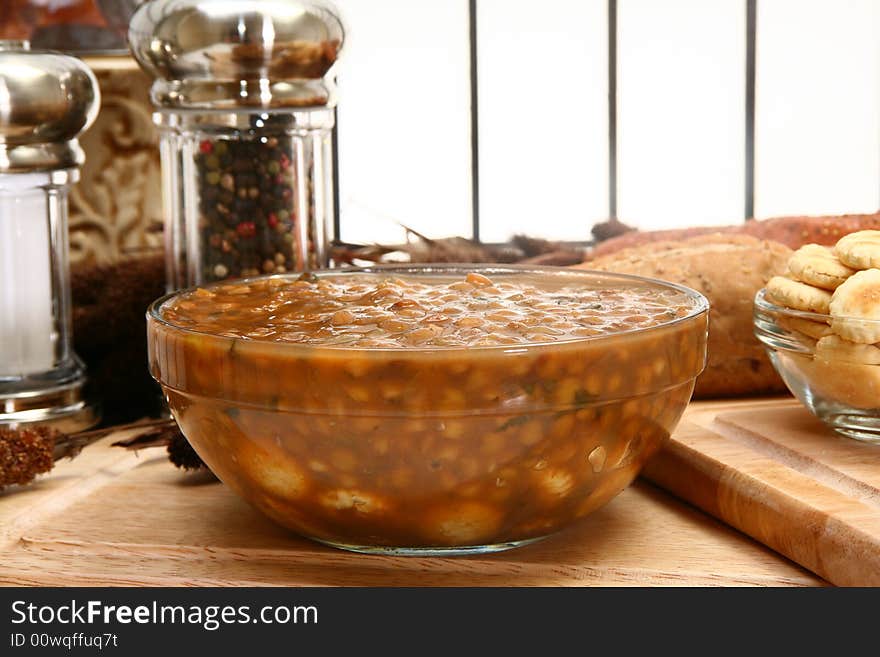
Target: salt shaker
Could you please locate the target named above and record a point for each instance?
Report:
(46, 100)
(244, 94)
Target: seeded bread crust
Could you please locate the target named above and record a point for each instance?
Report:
(729, 269)
(794, 232)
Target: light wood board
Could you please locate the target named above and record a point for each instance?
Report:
(774, 471)
(118, 519)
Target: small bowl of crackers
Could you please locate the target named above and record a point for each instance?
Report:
(820, 324)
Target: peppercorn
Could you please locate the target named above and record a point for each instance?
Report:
(246, 229)
(245, 203)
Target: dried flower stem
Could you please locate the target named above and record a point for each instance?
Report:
(30, 451)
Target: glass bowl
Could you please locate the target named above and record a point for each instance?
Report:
(437, 450)
(837, 381)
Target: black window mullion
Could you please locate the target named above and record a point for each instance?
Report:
(612, 109)
(751, 51)
(475, 124)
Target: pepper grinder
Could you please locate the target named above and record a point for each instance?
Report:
(46, 100)
(244, 93)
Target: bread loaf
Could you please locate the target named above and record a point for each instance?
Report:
(794, 232)
(729, 269)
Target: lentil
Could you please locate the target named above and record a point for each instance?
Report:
(330, 311)
(390, 429)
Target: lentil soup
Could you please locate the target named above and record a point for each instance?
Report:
(429, 408)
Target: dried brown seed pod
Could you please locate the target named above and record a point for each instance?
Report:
(31, 451)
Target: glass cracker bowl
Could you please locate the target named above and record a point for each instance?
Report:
(839, 384)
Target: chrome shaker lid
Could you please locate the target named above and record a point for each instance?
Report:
(238, 54)
(46, 100)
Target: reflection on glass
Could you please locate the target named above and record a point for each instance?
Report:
(80, 26)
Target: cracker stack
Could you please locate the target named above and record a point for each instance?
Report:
(843, 285)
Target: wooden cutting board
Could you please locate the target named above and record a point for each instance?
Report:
(774, 471)
(114, 518)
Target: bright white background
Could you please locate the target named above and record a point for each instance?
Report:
(404, 114)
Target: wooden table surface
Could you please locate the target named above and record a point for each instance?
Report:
(116, 518)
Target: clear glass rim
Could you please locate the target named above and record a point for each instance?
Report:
(700, 305)
(369, 412)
